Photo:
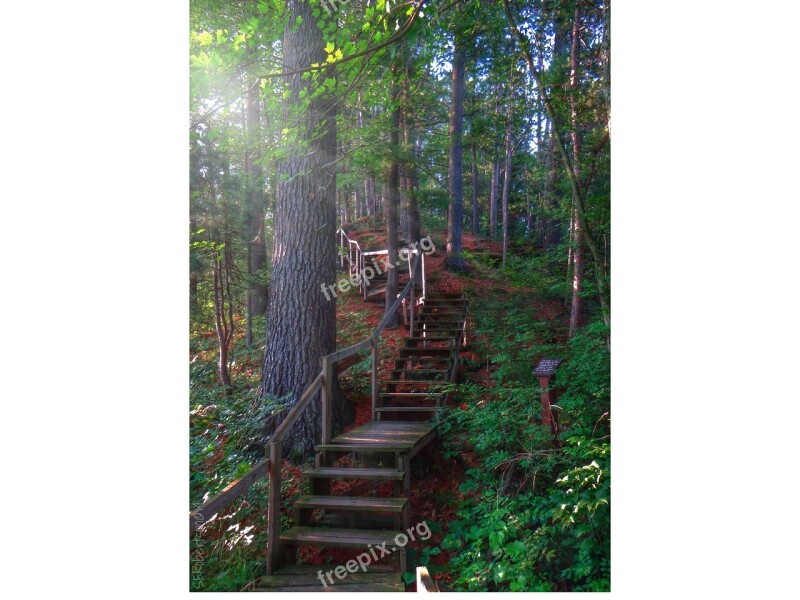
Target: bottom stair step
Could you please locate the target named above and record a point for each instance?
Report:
(339, 538)
(305, 578)
(409, 409)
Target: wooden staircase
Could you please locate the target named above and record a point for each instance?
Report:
(361, 480)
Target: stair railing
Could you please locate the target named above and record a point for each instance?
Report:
(322, 385)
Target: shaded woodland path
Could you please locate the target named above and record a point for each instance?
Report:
(360, 483)
(392, 492)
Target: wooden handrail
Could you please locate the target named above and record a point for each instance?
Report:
(212, 506)
(322, 383)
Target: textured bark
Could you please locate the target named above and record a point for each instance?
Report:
(301, 323)
(476, 216)
(507, 174)
(256, 249)
(412, 183)
(577, 230)
(345, 196)
(494, 194)
(494, 190)
(392, 200)
(454, 260)
(370, 196)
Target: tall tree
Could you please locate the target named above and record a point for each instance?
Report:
(392, 198)
(577, 233)
(507, 168)
(454, 260)
(476, 215)
(301, 322)
(256, 249)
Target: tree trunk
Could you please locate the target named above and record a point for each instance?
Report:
(256, 249)
(223, 307)
(346, 207)
(476, 216)
(494, 194)
(454, 260)
(507, 176)
(370, 196)
(301, 323)
(577, 257)
(412, 183)
(392, 200)
(369, 180)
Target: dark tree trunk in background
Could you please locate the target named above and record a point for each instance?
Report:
(256, 249)
(559, 75)
(370, 196)
(301, 322)
(361, 207)
(476, 216)
(577, 231)
(412, 184)
(345, 195)
(454, 260)
(494, 193)
(507, 174)
(392, 200)
(494, 189)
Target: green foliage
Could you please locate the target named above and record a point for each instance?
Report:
(534, 516)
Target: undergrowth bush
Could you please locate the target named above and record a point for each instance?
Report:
(535, 514)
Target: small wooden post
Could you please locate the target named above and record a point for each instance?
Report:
(326, 398)
(274, 507)
(545, 371)
(425, 583)
(374, 377)
(413, 285)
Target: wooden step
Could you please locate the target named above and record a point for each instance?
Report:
(361, 448)
(419, 352)
(357, 503)
(412, 382)
(355, 473)
(382, 409)
(420, 395)
(324, 537)
(305, 578)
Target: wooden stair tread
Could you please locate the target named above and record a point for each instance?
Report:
(337, 537)
(360, 503)
(408, 408)
(412, 382)
(410, 394)
(355, 473)
(362, 447)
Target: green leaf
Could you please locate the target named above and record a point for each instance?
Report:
(515, 548)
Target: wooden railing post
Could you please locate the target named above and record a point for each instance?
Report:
(374, 377)
(413, 285)
(326, 399)
(274, 507)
